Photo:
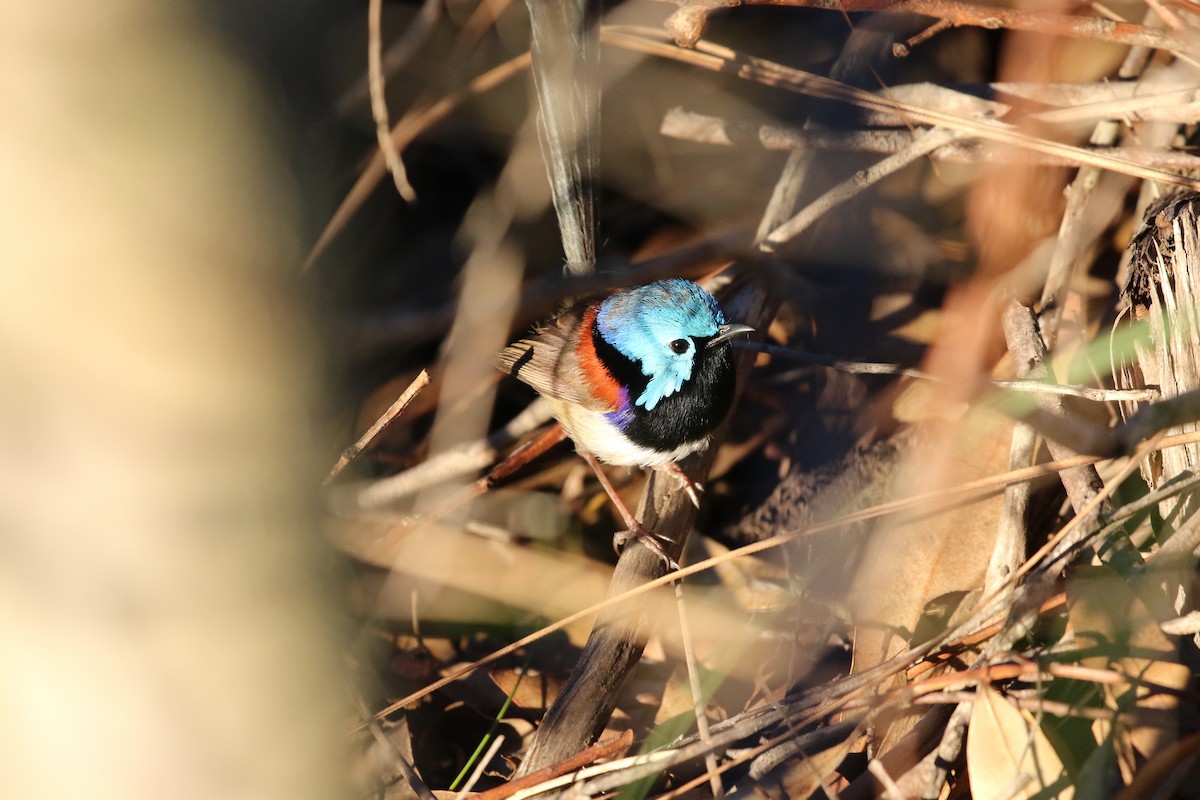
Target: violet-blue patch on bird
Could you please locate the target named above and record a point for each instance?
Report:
(640, 378)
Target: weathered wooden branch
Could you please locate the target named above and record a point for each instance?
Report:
(688, 23)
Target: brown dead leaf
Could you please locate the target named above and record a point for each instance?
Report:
(1105, 613)
(1005, 743)
(803, 777)
(676, 697)
(533, 690)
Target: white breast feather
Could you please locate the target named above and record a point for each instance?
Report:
(592, 432)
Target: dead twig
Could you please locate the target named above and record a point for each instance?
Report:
(418, 786)
(1120, 439)
(922, 145)
(366, 496)
(379, 112)
(394, 410)
(1096, 394)
(397, 56)
(698, 699)
(615, 746)
(1030, 355)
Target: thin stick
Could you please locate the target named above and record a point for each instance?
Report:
(689, 657)
(609, 747)
(468, 458)
(391, 155)
(397, 56)
(1169, 17)
(1059, 544)
(513, 462)
(477, 773)
(903, 50)
(922, 145)
(388, 746)
(875, 368)
(950, 745)
(394, 410)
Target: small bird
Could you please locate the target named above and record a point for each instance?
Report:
(640, 378)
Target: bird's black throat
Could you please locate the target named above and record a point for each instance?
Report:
(685, 416)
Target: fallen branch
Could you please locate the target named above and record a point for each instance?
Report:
(957, 14)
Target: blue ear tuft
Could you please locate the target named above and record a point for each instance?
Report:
(641, 323)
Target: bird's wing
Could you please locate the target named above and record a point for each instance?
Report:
(546, 361)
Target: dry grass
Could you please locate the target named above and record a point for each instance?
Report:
(903, 584)
(948, 544)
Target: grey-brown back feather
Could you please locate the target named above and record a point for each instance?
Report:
(546, 361)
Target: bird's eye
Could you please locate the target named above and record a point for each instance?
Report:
(680, 346)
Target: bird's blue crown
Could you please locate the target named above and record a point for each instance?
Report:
(657, 326)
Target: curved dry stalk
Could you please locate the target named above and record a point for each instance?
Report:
(396, 57)
(693, 670)
(402, 135)
(379, 111)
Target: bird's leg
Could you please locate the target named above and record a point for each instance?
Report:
(690, 486)
(633, 528)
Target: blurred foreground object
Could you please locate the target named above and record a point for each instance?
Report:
(163, 627)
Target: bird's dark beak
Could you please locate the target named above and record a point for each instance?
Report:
(726, 331)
